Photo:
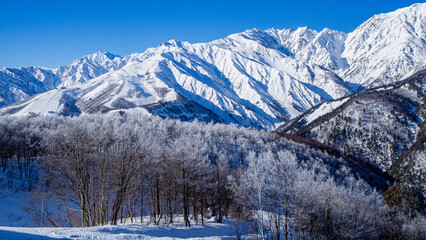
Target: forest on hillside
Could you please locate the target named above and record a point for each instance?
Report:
(95, 170)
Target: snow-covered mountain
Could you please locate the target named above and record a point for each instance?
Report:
(21, 83)
(88, 67)
(387, 47)
(255, 78)
(248, 78)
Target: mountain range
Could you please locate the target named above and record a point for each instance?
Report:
(257, 78)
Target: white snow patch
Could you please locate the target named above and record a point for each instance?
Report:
(323, 109)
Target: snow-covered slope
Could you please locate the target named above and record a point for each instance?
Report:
(387, 47)
(254, 78)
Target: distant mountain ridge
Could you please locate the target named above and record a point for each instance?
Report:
(255, 78)
(21, 83)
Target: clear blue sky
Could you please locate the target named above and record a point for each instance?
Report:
(54, 33)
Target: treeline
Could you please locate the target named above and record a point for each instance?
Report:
(19, 148)
(95, 170)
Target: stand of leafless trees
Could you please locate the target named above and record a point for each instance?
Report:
(95, 170)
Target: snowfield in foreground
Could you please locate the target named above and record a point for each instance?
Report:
(212, 230)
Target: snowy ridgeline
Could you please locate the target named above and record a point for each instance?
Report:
(94, 171)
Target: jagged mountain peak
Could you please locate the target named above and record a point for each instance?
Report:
(278, 35)
(322, 48)
(97, 57)
(415, 9)
(174, 43)
(306, 32)
(258, 35)
(88, 67)
(387, 47)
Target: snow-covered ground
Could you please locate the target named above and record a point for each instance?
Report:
(11, 212)
(12, 199)
(211, 230)
(15, 223)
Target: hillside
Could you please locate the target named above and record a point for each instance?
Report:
(384, 125)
